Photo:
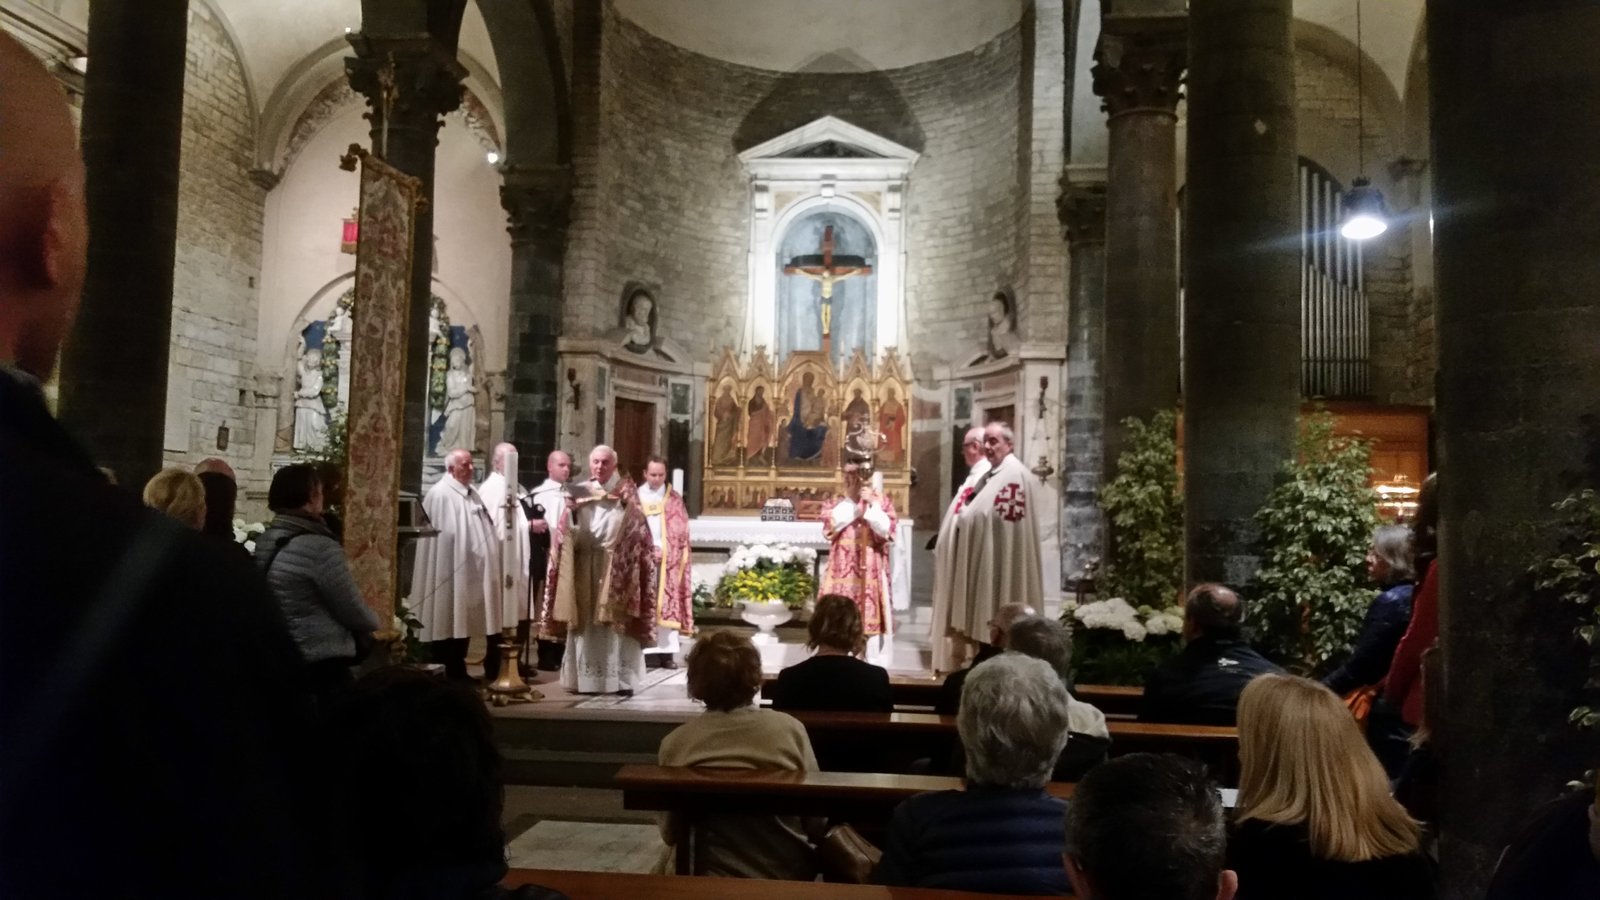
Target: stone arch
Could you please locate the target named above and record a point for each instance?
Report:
(533, 82)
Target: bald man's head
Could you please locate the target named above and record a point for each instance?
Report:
(972, 446)
(44, 231)
(1004, 617)
(558, 466)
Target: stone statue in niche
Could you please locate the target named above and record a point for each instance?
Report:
(1003, 340)
(460, 407)
(639, 333)
(310, 415)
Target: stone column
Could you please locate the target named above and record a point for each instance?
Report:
(1138, 64)
(1517, 263)
(1242, 312)
(410, 82)
(1083, 215)
(536, 200)
(114, 370)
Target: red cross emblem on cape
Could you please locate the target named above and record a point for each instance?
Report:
(1011, 503)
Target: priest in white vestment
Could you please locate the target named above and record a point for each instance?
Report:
(549, 511)
(988, 551)
(515, 600)
(674, 592)
(602, 578)
(455, 587)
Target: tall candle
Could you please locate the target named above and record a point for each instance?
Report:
(877, 482)
(677, 481)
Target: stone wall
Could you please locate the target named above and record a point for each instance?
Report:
(662, 199)
(218, 257)
(1328, 127)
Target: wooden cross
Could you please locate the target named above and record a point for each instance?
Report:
(827, 274)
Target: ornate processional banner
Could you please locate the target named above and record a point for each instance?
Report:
(389, 203)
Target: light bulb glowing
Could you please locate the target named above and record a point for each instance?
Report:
(492, 157)
(1363, 227)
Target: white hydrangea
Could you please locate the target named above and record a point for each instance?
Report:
(1116, 614)
(1165, 621)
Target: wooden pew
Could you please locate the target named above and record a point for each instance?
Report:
(612, 885)
(865, 800)
(903, 736)
(923, 692)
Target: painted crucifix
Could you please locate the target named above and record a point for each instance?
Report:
(827, 270)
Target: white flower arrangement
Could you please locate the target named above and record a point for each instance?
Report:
(246, 533)
(1135, 623)
(748, 556)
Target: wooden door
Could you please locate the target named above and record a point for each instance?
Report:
(633, 436)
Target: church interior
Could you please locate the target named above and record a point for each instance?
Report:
(838, 253)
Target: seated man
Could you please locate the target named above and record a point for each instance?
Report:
(1002, 835)
(1089, 740)
(950, 691)
(1201, 685)
(1147, 825)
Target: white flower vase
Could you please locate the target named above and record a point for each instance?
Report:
(765, 615)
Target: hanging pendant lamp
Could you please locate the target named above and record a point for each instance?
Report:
(1365, 215)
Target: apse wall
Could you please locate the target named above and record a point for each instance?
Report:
(662, 199)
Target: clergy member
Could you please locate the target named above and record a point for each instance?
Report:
(860, 527)
(988, 551)
(455, 588)
(977, 466)
(549, 510)
(515, 601)
(669, 529)
(602, 575)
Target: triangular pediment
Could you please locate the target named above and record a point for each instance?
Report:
(829, 138)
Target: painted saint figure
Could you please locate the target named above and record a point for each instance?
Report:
(725, 430)
(761, 424)
(892, 429)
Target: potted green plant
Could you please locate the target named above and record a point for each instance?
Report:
(1311, 592)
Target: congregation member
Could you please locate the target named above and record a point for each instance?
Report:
(859, 528)
(999, 625)
(549, 511)
(455, 588)
(837, 679)
(440, 838)
(602, 573)
(1149, 827)
(222, 495)
(179, 494)
(311, 579)
(1389, 567)
(674, 592)
(1201, 685)
(1088, 739)
(988, 551)
(1398, 712)
(1555, 855)
(1314, 819)
(725, 675)
(134, 665)
(515, 597)
(1002, 834)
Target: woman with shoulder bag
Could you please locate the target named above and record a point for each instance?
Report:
(309, 575)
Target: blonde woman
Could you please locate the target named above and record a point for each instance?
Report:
(1314, 817)
(179, 494)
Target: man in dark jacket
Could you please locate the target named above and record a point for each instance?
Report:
(144, 671)
(999, 627)
(1201, 685)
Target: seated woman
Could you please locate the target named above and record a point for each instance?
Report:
(1389, 566)
(1003, 834)
(836, 679)
(308, 573)
(179, 494)
(1314, 818)
(725, 674)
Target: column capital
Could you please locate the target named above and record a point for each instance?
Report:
(1139, 63)
(420, 79)
(536, 200)
(1082, 210)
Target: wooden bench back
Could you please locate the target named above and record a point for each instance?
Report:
(611, 885)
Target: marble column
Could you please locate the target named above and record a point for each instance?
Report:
(1138, 64)
(1517, 262)
(1083, 216)
(410, 83)
(1241, 319)
(536, 200)
(114, 369)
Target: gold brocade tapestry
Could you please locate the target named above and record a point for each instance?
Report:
(785, 434)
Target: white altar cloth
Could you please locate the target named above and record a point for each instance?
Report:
(727, 532)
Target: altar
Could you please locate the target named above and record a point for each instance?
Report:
(723, 533)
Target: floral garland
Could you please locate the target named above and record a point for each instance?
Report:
(332, 351)
(439, 357)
